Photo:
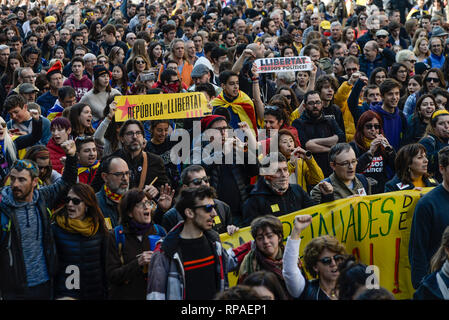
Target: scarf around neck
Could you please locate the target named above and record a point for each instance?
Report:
(86, 227)
(112, 195)
(139, 228)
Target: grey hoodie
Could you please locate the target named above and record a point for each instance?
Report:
(30, 226)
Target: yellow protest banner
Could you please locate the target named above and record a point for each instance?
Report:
(161, 106)
(375, 229)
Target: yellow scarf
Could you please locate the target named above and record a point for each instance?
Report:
(86, 227)
(367, 142)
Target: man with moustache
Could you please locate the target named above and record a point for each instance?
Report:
(27, 249)
(318, 133)
(344, 182)
(273, 194)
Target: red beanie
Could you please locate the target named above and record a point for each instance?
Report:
(207, 121)
(55, 68)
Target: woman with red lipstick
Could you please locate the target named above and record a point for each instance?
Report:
(80, 236)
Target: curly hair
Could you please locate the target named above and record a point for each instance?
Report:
(316, 246)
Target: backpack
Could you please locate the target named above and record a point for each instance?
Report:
(120, 238)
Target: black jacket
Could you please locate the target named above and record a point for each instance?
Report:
(263, 201)
(89, 255)
(155, 169)
(13, 279)
(323, 127)
(429, 289)
(396, 184)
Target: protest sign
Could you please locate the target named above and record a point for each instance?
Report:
(375, 229)
(283, 64)
(161, 106)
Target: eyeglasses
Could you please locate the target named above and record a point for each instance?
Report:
(75, 201)
(313, 103)
(328, 260)
(369, 126)
(351, 70)
(382, 37)
(411, 61)
(199, 181)
(436, 80)
(347, 163)
(133, 133)
(207, 207)
(144, 204)
(120, 174)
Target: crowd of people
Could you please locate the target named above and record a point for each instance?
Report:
(94, 208)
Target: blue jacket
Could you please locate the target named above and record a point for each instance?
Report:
(435, 61)
(384, 59)
(428, 288)
(429, 221)
(394, 124)
(46, 101)
(89, 255)
(396, 184)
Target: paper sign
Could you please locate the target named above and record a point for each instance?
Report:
(283, 64)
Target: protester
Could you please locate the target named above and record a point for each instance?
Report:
(429, 222)
(321, 256)
(81, 238)
(129, 251)
(38, 258)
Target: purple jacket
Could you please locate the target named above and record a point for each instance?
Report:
(81, 86)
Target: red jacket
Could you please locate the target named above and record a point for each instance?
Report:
(56, 152)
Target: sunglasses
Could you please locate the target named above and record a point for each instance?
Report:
(370, 126)
(328, 260)
(198, 181)
(207, 207)
(76, 201)
(288, 96)
(140, 61)
(436, 80)
(272, 107)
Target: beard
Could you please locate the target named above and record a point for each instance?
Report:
(278, 185)
(21, 195)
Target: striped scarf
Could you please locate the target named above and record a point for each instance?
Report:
(112, 195)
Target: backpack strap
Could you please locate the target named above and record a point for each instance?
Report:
(120, 241)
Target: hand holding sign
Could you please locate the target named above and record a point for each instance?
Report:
(283, 64)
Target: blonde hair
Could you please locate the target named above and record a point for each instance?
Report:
(416, 48)
(10, 147)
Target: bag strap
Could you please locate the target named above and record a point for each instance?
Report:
(143, 174)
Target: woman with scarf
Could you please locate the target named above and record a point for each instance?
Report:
(322, 255)
(435, 286)
(129, 251)
(81, 242)
(266, 249)
(374, 154)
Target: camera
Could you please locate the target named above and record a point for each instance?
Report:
(147, 76)
(308, 154)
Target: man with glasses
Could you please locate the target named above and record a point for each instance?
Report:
(144, 166)
(344, 182)
(64, 37)
(191, 263)
(436, 58)
(272, 188)
(116, 183)
(27, 249)
(194, 176)
(382, 37)
(315, 21)
(317, 133)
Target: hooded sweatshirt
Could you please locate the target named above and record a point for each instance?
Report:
(393, 124)
(30, 226)
(81, 86)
